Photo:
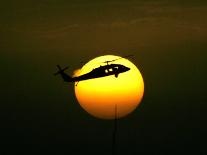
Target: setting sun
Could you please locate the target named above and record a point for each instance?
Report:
(100, 96)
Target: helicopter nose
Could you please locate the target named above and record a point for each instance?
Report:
(127, 68)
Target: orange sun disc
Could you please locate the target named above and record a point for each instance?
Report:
(100, 96)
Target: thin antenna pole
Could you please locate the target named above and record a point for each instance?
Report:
(114, 146)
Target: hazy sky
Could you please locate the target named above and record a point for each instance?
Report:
(40, 113)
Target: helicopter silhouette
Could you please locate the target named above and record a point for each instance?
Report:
(102, 71)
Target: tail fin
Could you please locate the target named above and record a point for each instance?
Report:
(65, 77)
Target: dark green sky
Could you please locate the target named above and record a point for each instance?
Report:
(40, 113)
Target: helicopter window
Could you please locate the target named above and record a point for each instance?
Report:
(110, 70)
(106, 71)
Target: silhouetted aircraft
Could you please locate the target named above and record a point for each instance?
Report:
(102, 71)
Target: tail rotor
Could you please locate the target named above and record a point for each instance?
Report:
(60, 70)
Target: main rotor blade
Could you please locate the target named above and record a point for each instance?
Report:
(121, 58)
(118, 58)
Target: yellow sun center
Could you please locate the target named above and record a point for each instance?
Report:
(100, 96)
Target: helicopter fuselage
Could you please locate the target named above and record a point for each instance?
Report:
(102, 71)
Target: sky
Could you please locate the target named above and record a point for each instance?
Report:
(39, 112)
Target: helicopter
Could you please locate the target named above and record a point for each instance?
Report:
(101, 71)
